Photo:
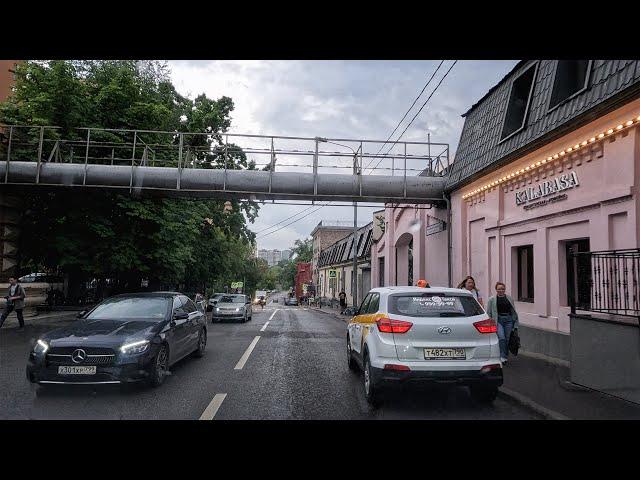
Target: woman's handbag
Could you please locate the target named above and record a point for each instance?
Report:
(514, 342)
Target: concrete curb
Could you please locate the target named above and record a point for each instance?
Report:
(516, 397)
(333, 314)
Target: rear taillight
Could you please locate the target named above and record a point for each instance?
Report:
(486, 326)
(397, 368)
(488, 368)
(386, 325)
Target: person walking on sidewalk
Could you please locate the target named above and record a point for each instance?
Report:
(343, 300)
(470, 284)
(502, 309)
(15, 300)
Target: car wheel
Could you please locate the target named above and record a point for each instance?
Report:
(371, 389)
(159, 368)
(350, 360)
(483, 394)
(202, 344)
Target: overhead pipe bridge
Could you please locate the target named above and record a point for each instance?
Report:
(206, 165)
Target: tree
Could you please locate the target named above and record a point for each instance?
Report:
(303, 250)
(108, 235)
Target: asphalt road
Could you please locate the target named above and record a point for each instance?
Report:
(293, 368)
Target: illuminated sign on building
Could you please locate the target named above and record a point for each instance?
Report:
(546, 188)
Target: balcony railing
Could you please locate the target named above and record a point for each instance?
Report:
(607, 282)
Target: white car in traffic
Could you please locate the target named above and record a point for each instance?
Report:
(431, 335)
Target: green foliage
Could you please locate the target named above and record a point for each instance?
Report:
(303, 250)
(101, 234)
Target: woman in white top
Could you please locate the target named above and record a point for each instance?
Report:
(470, 284)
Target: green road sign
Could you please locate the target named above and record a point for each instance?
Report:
(332, 274)
(236, 284)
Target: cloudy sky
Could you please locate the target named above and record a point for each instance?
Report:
(339, 99)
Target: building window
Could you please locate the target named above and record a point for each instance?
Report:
(381, 272)
(572, 77)
(578, 274)
(525, 273)
(519, 99)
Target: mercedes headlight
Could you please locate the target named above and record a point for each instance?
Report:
(135, 347)
(40, 347)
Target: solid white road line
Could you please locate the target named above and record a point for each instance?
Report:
(264, 327)
(245, 355)
(213, 407)
(271, 317)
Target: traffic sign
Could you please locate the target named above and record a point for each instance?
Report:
(236, 284)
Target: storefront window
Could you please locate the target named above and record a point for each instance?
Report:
(381, 272)
(525, 273)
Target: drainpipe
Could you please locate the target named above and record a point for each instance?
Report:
(447, 199)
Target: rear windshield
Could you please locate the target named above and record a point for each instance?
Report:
(232, 299)
(434, 305)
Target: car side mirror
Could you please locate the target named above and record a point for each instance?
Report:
(180, 316)
(81, 314)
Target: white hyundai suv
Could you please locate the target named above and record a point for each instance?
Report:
(428, 335)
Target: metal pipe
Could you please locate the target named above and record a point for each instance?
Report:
(447, 199)
(6, 170)
(354, 275)
(86, 157)
(39, 154)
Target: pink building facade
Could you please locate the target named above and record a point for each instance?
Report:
(411, 247)
(548, 164)
(496, 229)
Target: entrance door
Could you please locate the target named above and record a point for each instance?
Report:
(579, 274)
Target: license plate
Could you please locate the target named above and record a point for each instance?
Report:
(444, 354)
(77, 370)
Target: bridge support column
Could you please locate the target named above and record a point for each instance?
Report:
(10, 213)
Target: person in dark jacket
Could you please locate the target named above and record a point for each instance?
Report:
(15, 301)
(502, 309)
(343, 300)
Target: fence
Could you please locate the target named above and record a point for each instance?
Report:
(606, 282)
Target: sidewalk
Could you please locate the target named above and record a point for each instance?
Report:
(331, 311)
(40, 320)
(546, 388)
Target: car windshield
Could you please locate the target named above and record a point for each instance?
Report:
(152, 308)
(434, 305)
(232, 299)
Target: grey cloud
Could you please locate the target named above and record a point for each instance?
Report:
(348, 99)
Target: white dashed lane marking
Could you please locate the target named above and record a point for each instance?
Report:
(245, 355)
(213, 407)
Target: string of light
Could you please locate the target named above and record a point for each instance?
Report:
(551, 158)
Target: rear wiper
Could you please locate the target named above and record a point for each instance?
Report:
(452, 314)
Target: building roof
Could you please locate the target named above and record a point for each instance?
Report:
(342, 250)
(611, 84)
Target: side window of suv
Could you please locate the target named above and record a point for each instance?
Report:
(364, 307)
(374, 303)
(189, 306)
(178, 307)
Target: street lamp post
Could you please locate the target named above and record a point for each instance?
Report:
(356, 171)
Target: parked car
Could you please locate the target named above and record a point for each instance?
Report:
(415, 335)
(291, 301)
(213, 301)
(232, 307)
(125, 338)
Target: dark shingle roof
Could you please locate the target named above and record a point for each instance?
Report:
(479, 150)
(342, 250)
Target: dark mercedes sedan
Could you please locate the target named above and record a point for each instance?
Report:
(126, 338)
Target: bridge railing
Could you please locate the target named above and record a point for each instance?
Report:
(127, 147)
